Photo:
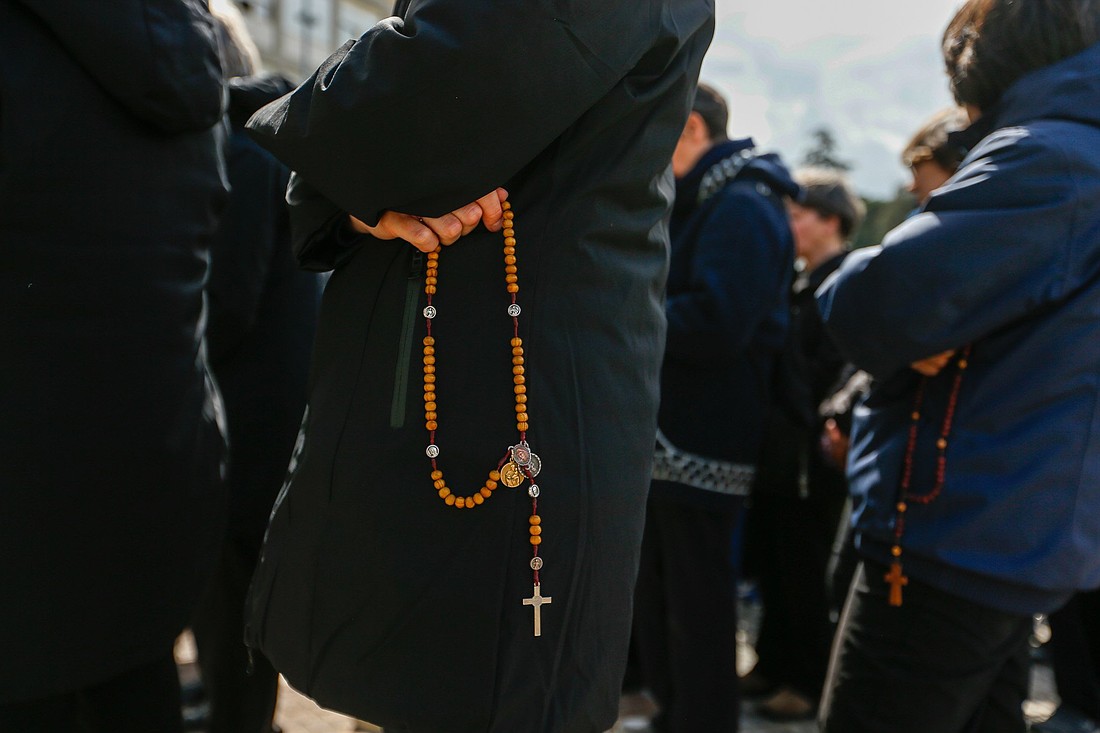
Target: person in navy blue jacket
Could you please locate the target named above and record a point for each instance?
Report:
(975, 459)
(731, 263)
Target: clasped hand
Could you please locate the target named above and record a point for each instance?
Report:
(426, 233)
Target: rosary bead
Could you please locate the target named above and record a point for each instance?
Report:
(509, 232)
(431, 416)
(902, 507)
(522, 417)
(509, 259)
(444, 492)
(460, 502)
(429, 360)
(536, 540)
(522, 427)
(535, 531)
(511, 279)
(521, 399)
(517, 359)
(429, 396)
(520, 407)
(509, 250)
(429, 369)
(490, 484)
(431, 425)
(520, 389)
(429, 340)
(430, 406)
(478, 498)
(486, 492)
(439, 483)
(513, 288)
(494, 475)
(941, 444)
(430, 280)
(517, 341)
(437, 474)
(506, 206)
(510, 269)
(534, 519)
(450, 499)
(895, 551)
(517, 370)
(517, 351)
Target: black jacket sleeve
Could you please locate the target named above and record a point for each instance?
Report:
(427, 113)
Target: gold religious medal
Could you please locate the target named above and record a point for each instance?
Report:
(511, 475)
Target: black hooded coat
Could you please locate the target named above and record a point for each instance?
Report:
(110, 186)
(373, 596)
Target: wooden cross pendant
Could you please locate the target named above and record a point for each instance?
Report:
(537, 600)
(896, 580)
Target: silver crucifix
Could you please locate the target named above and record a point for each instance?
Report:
(537, 600)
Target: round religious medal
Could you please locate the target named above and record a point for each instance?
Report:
(511, 475)
(521, 453)
(533, 491)
(534, 465)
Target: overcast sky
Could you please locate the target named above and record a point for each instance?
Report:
(869, 70)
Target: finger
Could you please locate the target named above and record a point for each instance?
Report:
(357, 225)
(491, 212)
(470, 216)
(447, 228)
(410, 229)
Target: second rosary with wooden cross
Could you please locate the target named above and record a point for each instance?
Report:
(519, 463)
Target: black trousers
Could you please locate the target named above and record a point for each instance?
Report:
(685, 623)
(791, 540)
(936, 664)
(142, 700)
(1075, 652)
(241, 701)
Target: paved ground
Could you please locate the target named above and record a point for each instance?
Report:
(298, 714)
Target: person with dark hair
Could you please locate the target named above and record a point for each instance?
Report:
(974, 459)
(799, 495)
(732, 258)
(930, 155)
(111, 497)
(456, 546)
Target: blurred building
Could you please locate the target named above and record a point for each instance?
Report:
(295, 36)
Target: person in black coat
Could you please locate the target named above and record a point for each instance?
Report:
(799, 494)
(111, 503)
(731, 264)
(263, 315)
(381, 592)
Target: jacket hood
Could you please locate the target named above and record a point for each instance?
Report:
(1068, 90)
(156, 58)
(248, 93)
(767, 168)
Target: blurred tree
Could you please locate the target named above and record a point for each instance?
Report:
(822, 152)
(882, 216)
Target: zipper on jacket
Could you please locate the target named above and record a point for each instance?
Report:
(404, 346)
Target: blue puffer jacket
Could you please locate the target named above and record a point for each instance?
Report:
(1006, 257)
(731, 261)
